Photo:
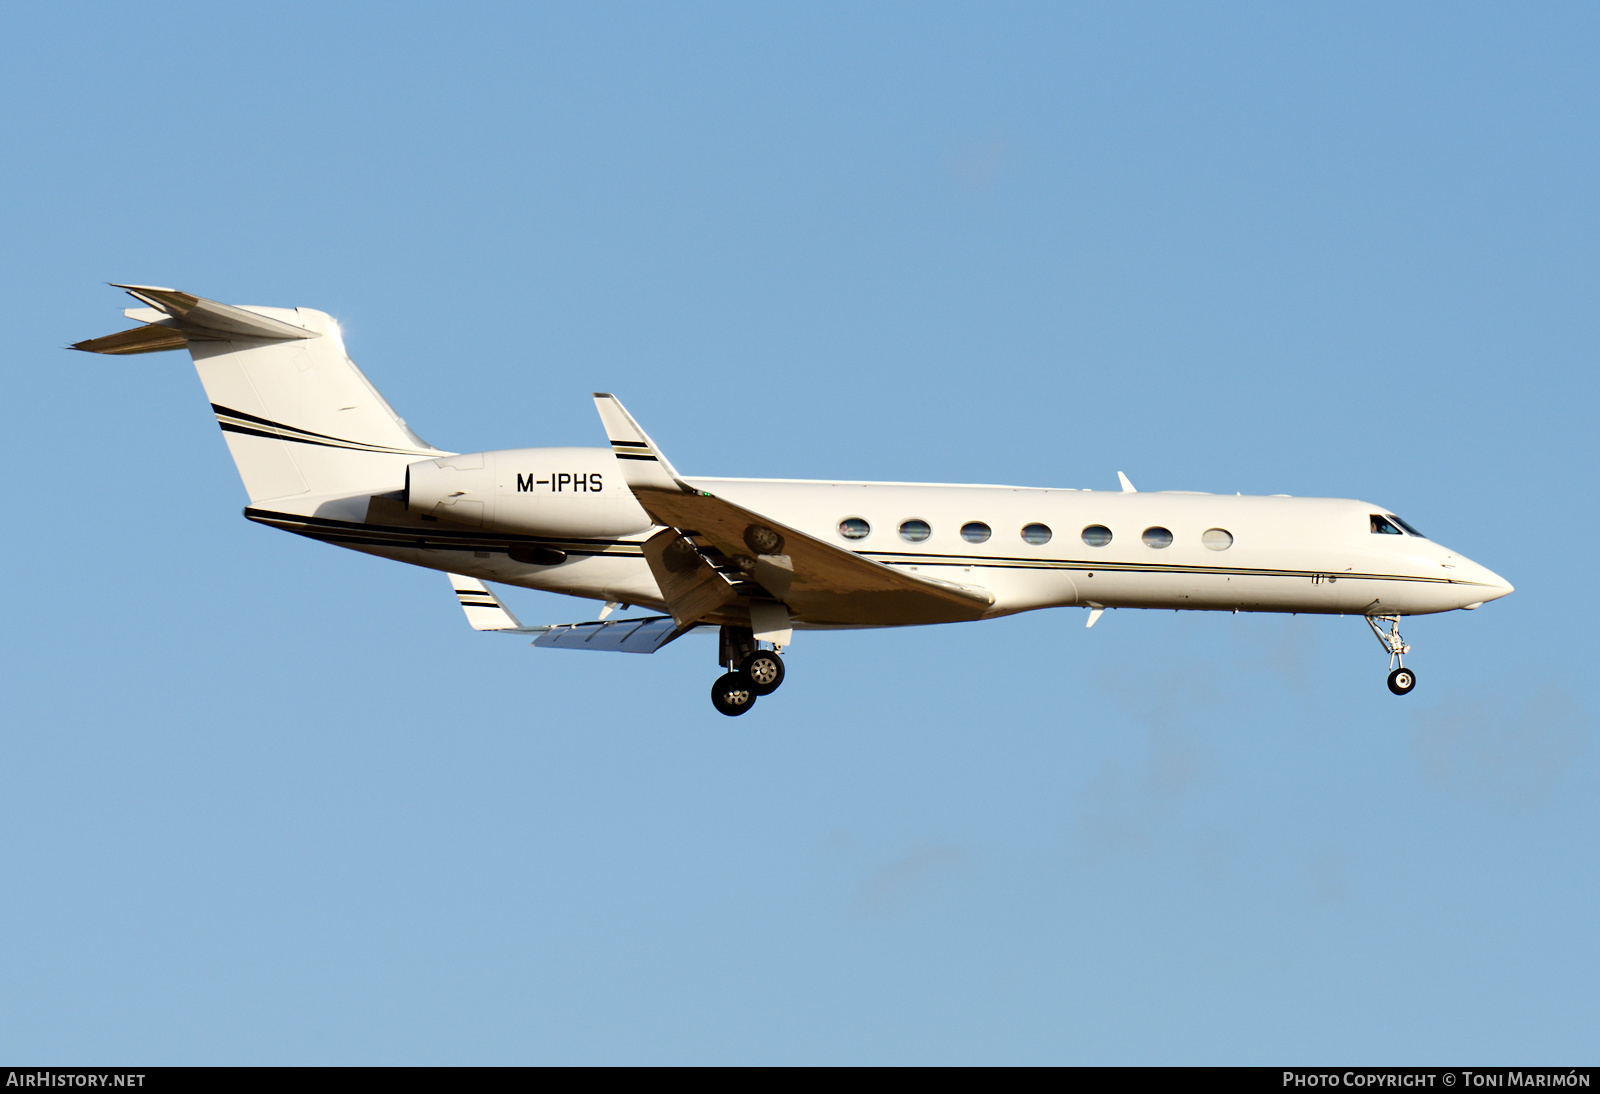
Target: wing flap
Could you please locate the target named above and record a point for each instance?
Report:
(613, 635)
(691, 586)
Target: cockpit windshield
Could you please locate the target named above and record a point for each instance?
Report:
(1387, 524)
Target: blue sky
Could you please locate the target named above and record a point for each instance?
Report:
(271, 802)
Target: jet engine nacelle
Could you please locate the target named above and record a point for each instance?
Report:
(563, 493)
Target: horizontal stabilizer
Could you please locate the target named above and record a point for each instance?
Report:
(177, 318)
(612, 635)
(151, 339)
(483, 608)
(201, 316)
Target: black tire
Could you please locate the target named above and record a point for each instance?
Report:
(764, 670)
(1401, 681)
(732, 694)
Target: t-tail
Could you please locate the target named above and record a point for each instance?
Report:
(298, 416)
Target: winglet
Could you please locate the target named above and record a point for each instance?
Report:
(1127, 487)
(643, 465)
(483, 608)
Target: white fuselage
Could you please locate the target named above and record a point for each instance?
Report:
(1287, 554)
(1282, 554)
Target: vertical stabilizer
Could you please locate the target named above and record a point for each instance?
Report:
(298, 415)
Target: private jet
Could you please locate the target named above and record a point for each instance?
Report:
(323, 455)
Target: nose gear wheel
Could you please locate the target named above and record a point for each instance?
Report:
(1401, 679)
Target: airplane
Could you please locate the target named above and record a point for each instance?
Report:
(323, 455)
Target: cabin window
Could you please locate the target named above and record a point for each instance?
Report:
(1157, 538)
(1036, 534)
(1382, 527)
(975, 531)
(1217, 539)
(915, 531)
(1406, 526)
(1097, 535)
(854, 528)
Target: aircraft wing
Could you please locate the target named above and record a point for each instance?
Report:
(821, 583)
(485, 612)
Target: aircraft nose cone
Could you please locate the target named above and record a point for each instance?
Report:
(1487, 585)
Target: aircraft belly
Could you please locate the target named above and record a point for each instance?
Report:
(1018, 589)
(600, 577)
(1129, 589)
(878, 609)
(610, 577)
(1325, 594)
(1293, 593)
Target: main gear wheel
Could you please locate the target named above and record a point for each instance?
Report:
(733, 694)
(764, 670)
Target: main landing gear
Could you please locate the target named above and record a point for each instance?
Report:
(1401, 679)
(751, 672)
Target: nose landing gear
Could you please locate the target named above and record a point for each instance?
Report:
(752, 672)
(1401, 679)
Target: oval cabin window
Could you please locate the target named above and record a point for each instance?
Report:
(1036, 534)
(1097, 535)
(915, 531)
(854, 528)
(1157, 538)
(975, 531)
(1217, 539)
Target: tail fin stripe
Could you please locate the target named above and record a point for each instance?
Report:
(231, 428)
(290, 433)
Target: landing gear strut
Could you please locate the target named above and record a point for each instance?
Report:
(1401, 679)
(752, 672)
